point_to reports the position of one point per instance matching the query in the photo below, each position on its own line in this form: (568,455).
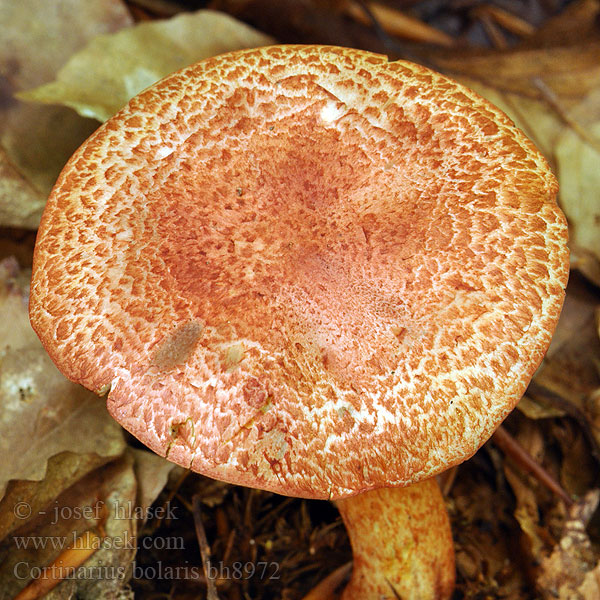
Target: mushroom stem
(402,543)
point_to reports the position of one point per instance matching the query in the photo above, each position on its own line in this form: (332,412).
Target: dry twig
(396,23)
(211,588)
(514,450)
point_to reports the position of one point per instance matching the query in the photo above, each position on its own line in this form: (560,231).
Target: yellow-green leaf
(101,79)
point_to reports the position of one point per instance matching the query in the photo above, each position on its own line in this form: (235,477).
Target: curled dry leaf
(36,141)
(101,79)
(41,413)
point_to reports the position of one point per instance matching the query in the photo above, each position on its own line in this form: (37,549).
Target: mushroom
(312,271)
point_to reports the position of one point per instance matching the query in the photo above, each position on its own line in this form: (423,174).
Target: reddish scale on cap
(304,269)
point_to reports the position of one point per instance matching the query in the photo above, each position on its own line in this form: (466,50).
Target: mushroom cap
(304,269)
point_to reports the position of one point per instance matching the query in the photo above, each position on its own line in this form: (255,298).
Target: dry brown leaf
(578,470)
(101,501)
(590,587)
(571,72)
(35,141)
(152,473)
(17,244)
(571,366)
(116,491)
(15,330)
(21,203)
(534,408)
(576,22)
(571,571)
(24,499)
(483,538)
(564,52)
(578,162)
(41,413)
(527,511)
(101,79)
(570,369)
(578,311)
